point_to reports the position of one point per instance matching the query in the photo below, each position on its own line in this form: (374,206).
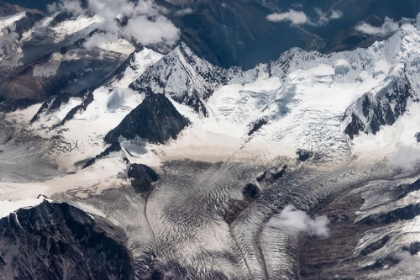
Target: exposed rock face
(400,214)
(251,191)
(115,147)
(142,177)
(271,175)
(383,107)
(257,125)
(304,155)
(58,241)
(155,119)
(82,107)
(59,18)
(52,104)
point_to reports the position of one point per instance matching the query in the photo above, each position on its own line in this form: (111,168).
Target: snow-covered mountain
(189,170)
(185,77)
(340,94)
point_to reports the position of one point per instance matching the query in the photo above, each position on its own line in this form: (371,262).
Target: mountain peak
(184,76)
(155,120)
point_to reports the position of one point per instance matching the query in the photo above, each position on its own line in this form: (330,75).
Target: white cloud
(388,28)
(296,221)
(336,14)
(297,5)
(325,17)
(295,17)
(152,32)
(69,6)
(146,21)
(299,17)
(99,39)
(402,255)
(184,12)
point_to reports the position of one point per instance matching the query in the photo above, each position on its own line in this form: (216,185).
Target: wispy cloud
(98,39)
(184,12)
(388,28)
(146,23)
(336,14)
(296,221)
(325,17)
(300,18)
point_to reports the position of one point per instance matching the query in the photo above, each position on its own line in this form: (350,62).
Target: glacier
(362,178)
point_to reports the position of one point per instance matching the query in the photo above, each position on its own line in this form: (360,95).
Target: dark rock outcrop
(413,248)
(155,119)
(271,175)
(58,241)
(371,111)
(142,177)
(304,155)
(82,107)
(26,23)
(251,191)
(400,214)
(375,246)
(257,125)
(405,189)
(61,17)
(115,147)
(52,104)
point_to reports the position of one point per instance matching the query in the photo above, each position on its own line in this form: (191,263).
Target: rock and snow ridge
(306,100)
(295,103)
(302,101)
(185,77)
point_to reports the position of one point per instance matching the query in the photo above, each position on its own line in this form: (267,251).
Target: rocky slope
(155,120)
(58,241)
